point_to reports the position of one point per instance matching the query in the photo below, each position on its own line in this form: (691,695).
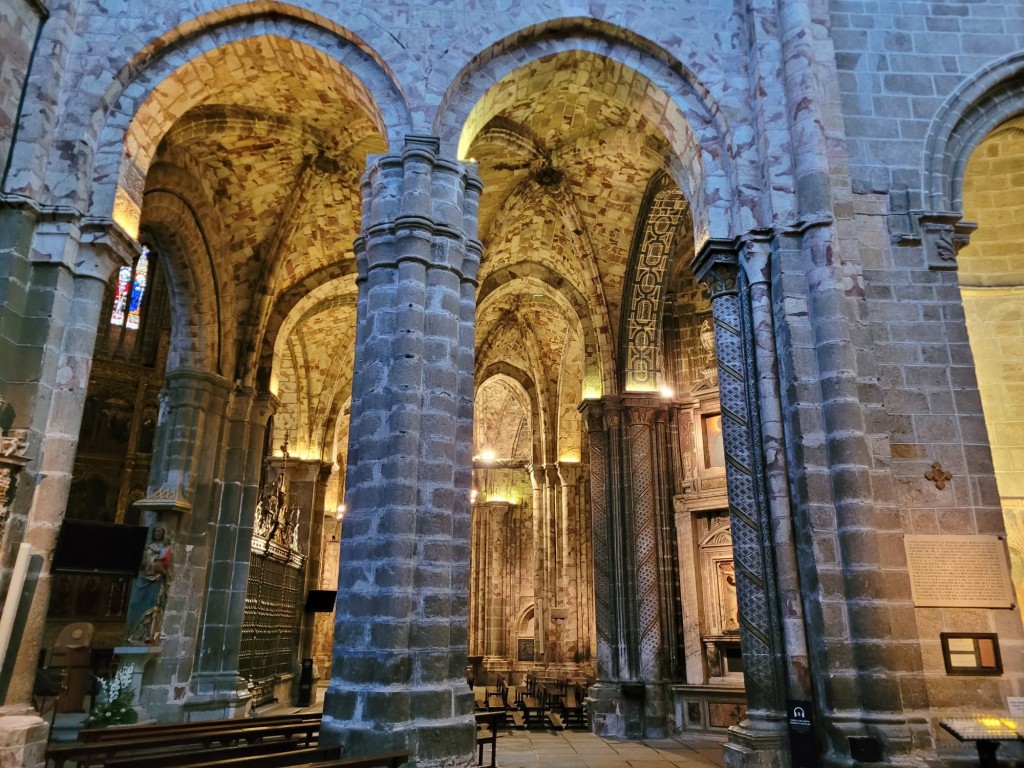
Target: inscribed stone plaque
(959,571)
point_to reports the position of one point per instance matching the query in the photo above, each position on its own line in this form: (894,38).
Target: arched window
(130,300)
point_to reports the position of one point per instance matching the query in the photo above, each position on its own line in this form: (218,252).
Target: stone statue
(149,592)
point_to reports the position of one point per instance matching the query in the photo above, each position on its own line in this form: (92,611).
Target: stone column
(494,544)
(757,267)
(761,739)
(545,560)
(55,269)
(633,618)
(398,675)
(216,690)
(316,474)
(188,456)
(573,598)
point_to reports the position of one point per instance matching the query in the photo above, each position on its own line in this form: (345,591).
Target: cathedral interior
(674,351)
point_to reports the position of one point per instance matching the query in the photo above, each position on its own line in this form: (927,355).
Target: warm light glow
(341,512)
(668,393)
(646,389)
(472,495)
(591,394)
(126,213)
(571,457)
(487,455)
(500,500)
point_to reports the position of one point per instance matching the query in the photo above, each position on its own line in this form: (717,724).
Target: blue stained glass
(138,289)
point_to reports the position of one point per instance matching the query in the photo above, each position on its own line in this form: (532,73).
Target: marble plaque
(959,571)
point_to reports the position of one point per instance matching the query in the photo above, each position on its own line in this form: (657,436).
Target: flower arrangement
(114,703)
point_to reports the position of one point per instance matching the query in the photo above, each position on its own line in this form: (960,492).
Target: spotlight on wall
(488,455)
(340,512)
(668,393)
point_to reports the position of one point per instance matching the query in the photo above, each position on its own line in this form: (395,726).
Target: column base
(871,739)
(750,746)
(22,737)
(629,709)
(217,698)
(366,722)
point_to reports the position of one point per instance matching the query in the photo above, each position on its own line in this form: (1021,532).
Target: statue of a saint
(149,592)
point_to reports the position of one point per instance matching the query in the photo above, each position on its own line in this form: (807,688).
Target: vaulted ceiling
(265,167)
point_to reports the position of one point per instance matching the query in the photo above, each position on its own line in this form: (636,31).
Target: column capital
(756,255)
(717,265)
(104,247)
(419,206)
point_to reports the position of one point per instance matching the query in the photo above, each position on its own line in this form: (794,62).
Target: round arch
(981,103)
(691,122)
(142,99)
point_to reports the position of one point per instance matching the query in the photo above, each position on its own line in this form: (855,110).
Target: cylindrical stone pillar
(635,621)
(398,675)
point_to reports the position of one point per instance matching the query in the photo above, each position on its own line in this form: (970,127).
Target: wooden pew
(165,729)
(487,733)
(262,749)
(87,754)
(294,757)
(573,708)
(383,760)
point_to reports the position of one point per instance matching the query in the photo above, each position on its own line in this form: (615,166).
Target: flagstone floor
(579,749)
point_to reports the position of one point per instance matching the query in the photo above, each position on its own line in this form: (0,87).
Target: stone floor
(579,749)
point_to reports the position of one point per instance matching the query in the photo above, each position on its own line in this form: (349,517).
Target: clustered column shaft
(398,677)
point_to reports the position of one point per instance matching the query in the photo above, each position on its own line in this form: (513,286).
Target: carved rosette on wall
(13,447)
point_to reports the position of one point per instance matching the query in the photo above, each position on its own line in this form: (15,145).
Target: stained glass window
(130,300)
(138,289)
(124,276)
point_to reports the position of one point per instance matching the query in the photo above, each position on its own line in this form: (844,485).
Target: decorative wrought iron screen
(270,626)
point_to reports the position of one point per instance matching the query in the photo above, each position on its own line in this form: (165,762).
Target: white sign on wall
(959,571)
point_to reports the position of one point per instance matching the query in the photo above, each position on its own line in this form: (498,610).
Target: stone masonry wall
(19,21)
(898,61)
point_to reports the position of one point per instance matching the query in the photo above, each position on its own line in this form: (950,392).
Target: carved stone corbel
(943,235)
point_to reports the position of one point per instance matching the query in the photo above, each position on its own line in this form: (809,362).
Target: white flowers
(115,699)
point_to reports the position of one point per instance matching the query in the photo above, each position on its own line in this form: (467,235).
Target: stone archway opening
(991,275)
(586,235)
(242,167)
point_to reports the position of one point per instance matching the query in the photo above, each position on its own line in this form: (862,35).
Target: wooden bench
(572,707)
(487,724)
(383,760)
(316,757)
(261,750)
(86,754)
(166,729)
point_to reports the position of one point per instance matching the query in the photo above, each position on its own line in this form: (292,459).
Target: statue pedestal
(141,656)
